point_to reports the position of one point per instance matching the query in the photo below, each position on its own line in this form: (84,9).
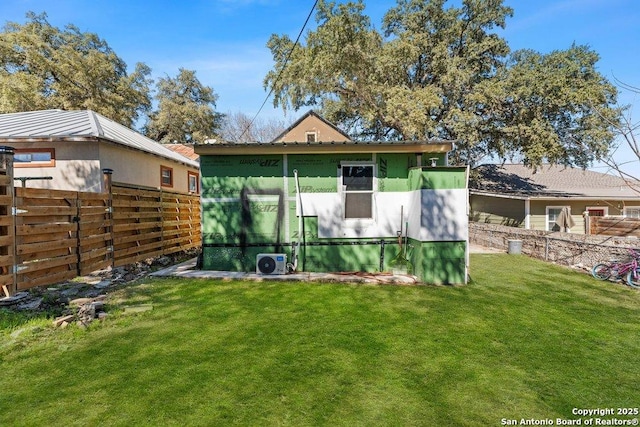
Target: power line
(286,61)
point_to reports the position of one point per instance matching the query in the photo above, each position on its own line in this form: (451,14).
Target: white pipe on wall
(300,219)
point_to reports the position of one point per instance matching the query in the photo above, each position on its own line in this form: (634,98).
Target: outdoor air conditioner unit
(271,264)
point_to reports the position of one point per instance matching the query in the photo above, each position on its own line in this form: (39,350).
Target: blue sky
(224,41)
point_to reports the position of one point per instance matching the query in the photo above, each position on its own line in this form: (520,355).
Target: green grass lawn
(524,339)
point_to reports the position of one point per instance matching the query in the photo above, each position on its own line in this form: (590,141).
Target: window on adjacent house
(193,182)
(553,212)
(357,186)
(35,157)
(632,211)
(597,210)
(166,176)
(311,136)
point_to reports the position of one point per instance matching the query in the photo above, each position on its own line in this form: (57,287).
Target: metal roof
(252,148)
(79,124)
(549,181)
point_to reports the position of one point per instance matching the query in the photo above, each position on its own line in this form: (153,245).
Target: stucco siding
(138,168)
(76,168)
(79,164)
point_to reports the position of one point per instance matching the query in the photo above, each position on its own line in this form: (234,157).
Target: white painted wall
(433,215)
(444,215)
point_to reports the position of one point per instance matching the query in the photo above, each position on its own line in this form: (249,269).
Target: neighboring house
(187,151)
(515,195)
(335,201)
(68,150)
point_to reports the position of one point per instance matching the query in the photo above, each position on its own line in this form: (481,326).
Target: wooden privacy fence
(49,236)
(614,226)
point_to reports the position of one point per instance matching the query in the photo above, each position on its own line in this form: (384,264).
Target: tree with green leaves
(186,111)
(442,72)
(44,67)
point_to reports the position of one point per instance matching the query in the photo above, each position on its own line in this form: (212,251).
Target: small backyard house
(314,200)
(67,150)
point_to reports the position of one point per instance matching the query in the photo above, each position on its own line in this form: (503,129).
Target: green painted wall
(318,174)
(437,178)
(249,208)
(392,171)
(439,262)
(230,176)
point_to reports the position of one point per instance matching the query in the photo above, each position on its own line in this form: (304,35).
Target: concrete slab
(478,249)
(188,270)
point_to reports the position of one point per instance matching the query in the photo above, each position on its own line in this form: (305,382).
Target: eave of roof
(553,196)
(230,148)
(549,182)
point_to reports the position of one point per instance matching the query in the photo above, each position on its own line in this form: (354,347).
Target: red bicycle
(616,270)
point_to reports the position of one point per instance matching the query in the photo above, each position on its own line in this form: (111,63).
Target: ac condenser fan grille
(267,265)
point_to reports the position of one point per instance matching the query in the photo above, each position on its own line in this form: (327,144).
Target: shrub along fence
(49,236)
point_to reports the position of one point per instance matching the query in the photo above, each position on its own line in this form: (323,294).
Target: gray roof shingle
(550,181)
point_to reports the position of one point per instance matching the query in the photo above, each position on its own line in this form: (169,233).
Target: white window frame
(164,169)
(627,208)
(196,178)
(344,192)
(546,216)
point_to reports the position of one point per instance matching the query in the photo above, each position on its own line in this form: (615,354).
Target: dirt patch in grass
(55,300)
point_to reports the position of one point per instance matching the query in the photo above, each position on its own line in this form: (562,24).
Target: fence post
(546,248)
(587,222)
(78,221)
(162,221)
(107,187)
(9,267)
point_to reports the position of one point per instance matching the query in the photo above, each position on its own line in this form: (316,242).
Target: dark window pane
(357,178)
(357,205)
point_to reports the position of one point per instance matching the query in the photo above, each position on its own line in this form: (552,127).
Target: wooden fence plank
(615,226)
(136,226)
(64,233)
(49,279)
(44,228)
(31,248)
(47,211)
(49,263)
